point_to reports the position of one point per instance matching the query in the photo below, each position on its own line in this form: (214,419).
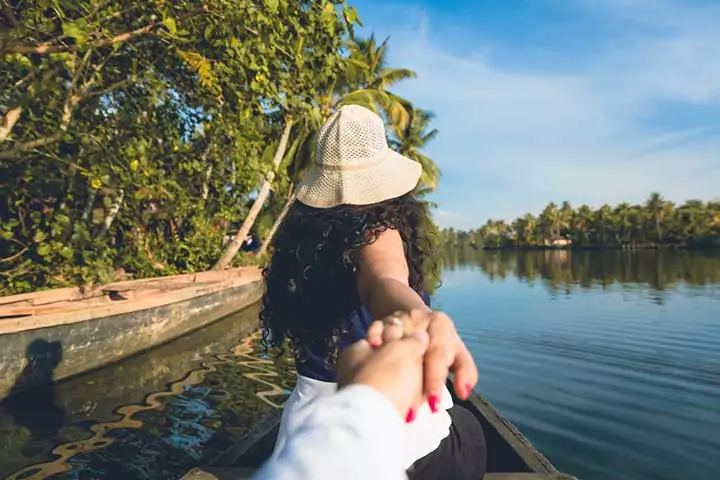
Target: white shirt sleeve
(355,434)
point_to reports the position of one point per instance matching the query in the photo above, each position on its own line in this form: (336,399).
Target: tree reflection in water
(565,270)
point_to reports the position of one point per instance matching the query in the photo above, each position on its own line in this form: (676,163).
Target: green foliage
(133,135)
(657,223)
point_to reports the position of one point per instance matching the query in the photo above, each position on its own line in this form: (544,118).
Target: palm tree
(365,83)
(410,141)
(623,214)
(368,79)
(525,230)
(658,209)
(566,213)
(580,225)
(550,221)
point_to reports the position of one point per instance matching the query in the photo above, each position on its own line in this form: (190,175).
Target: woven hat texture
(353,164)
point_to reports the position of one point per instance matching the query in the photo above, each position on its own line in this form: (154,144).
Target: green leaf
(39,237)
(170,25)
(271,5)
(328,12)
(351,16)
(43,250)
(66,252)
(71,29)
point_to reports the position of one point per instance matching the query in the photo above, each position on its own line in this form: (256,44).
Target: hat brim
(392,176)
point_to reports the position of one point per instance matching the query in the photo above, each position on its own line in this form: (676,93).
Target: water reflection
(615,373)
(562,270)
(153,416)
(31,401)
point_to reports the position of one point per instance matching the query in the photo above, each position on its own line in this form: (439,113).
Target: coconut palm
(410,141)
(365,83)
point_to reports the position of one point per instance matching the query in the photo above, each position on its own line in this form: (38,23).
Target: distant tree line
(654,224)
(149,138)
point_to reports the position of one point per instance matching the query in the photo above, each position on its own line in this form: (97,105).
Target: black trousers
(462,455)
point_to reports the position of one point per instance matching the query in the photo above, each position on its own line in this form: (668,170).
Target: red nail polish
(375,345)
(410,416)
(433,401)
(468,390)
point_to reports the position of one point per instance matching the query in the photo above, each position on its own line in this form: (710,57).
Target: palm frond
(387,77)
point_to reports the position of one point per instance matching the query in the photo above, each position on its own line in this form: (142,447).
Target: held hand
(445,353)
(395,369)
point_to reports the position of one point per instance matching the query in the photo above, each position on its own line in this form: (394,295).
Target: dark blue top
(314,366)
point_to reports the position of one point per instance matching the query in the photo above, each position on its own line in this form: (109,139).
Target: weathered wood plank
(68,344)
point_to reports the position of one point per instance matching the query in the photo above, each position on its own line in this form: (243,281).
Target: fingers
(392,332)
(374,333)
(351,360)
(438,357)
(466,372)
(411,349)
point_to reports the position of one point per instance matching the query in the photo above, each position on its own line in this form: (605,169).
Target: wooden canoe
(511,456)
(55,334)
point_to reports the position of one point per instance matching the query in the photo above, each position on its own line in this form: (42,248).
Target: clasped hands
(408,356)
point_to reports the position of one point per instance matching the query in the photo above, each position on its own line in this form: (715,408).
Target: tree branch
(47,48)
(13,257)
(31,145)
(11,117)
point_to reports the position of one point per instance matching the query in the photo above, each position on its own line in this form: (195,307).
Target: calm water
(608,362)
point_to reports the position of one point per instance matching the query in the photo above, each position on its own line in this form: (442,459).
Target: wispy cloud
(640,115)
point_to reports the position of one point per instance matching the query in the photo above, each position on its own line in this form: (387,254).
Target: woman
(355,248)
(353,434)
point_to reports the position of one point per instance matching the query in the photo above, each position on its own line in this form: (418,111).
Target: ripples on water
(608,362)
(611,378)
(154,416)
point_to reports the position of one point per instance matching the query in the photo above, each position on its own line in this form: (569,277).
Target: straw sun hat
(354,165)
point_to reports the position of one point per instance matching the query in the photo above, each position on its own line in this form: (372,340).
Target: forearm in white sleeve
(353,435)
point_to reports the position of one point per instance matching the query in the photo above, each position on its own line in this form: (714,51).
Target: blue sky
(591,101)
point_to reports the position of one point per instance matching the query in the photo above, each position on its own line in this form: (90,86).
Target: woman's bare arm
(382,278)
(383,285)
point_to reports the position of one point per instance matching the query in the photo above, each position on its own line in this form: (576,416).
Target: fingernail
(410,416)
(433,401)
(375,344)
(468,389)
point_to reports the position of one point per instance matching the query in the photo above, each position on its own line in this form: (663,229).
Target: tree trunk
(112,214)
(92,194)
(278,222)
(234,245)
(205,191)
(206,183)
(11,117)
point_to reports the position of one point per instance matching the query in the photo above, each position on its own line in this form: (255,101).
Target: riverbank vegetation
(656,223)
(137,137)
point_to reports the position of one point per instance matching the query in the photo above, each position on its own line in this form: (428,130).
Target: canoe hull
(510,455)
(67,346)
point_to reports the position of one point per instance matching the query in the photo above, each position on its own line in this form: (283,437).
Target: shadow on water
(155,415)
(31,402)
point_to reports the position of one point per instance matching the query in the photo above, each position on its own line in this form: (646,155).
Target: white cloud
(590,134)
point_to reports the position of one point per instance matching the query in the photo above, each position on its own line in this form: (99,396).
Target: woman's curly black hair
(310,288)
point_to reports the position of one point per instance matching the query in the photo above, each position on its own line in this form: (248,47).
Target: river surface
(608,362)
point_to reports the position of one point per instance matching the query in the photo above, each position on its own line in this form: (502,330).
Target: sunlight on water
(608,362)
(153,416)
